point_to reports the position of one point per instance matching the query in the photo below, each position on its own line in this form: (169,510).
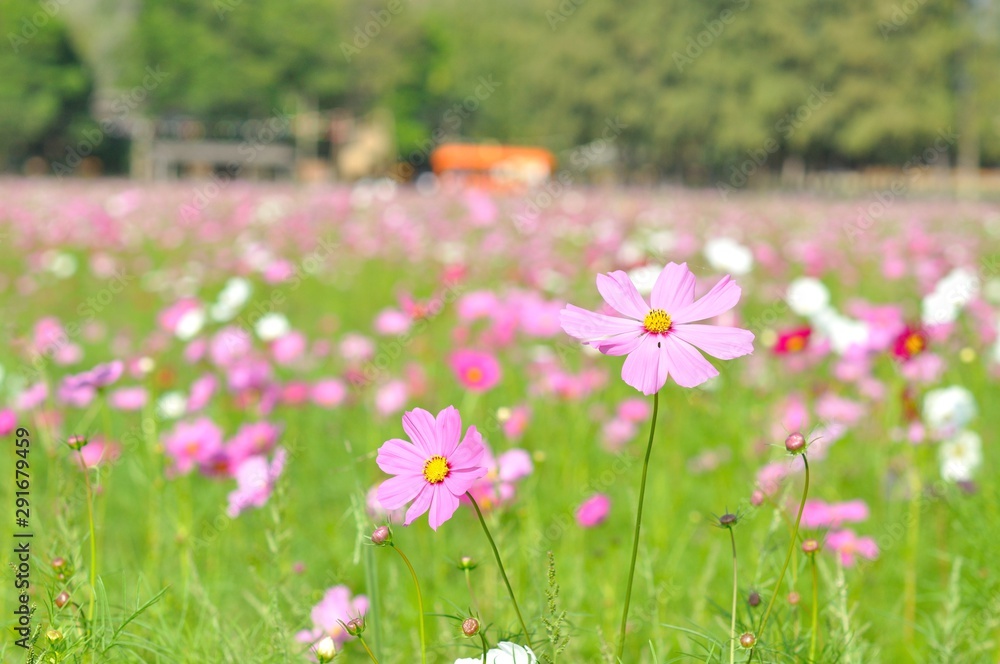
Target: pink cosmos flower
(128,398)
(847,545)
(8,421)
(514,426)
(378,512)
(818,514)
(476,371)
(593,511)
(498,486)
(392,321)
(328,393)
(96,452)
(32,397)
(435,469)
(252,439)
(288,348)
(634,410)
(201,392)
(660,338)
(193,443)
(255,480)
(616,432)
(335,610)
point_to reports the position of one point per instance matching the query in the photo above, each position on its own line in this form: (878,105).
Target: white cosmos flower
(272,326)
(190,324)
(807,296)
(728,255)
(171,405)
(950,295)
(960,456)
(235,293)
(948,409)
(504,653)
(841,331)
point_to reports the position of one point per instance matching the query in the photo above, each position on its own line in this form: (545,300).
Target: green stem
(420,604)
(367,649)
(485,646)
(472,594)
(638,523)
(732,622)
(912,544)
(503,572)
(788,557)
(93,537)
(815,609)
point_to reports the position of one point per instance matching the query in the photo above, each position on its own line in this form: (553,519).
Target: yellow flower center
(436,469)
(914,344)
(795,344)
(474,374)
(657,321)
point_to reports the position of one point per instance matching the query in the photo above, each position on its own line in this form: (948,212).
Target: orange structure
(493,166)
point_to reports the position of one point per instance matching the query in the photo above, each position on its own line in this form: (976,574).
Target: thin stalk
(788,557)
(732,622)
(367,649)
(815,609)
(93,537)
(912,544)
(472,594)
(503,572)
(638,523)
(485,646)
(420,605)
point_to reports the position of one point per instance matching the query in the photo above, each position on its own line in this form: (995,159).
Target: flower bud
(748,640)
(470,627)
(794,598)
(325,650)
(795,443)
(754,599)
(62,599)
(76,442)
(466,564)
(355,626)
(810,546)
(727,520)
(757,498)
(53,635)
(382,536)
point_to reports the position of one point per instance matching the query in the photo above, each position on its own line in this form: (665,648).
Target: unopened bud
(355,626)
(76,442)
(466,563)
(748,640)
(382,536)
(326,650)
(810,546)
(757,498)
(754,599)
(794,598)
(795,443)
(470,627)
(62,599)
(727,520)
(53,635)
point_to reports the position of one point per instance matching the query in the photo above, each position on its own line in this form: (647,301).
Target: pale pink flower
(392,321)
(192,443)
(847,546)
(517,422)
(336,609)
(391,397)
(476,371)
(8,421)
(128,398)
(593,511)
(97,452)
(255,480)
(634,410)
(328,393)
(661,338)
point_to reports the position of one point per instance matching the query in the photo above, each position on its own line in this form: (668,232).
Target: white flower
(235,293)
(948,409)
(272,326)
(190,324)
(842,332)
(61,264)
(953,292)
(644,277)
(171,405)
(326,649)
(728,255)
(960,456)
(807,296)
(504,653)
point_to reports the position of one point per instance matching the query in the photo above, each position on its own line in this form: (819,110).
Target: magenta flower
(476,371)
(193,443)
(432,471)
(128,398)
(97,452)
(335,610)
(255,480)
(593,511)
(848,545)
(8,421)
(818,514)
(660,338)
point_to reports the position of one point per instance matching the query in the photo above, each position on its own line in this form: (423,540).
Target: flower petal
(645,368)
(448,428)
(398,457)
(419,425)
(588,325)
(469,453)
(687,365)
(620,345)
(420,505)
(443,506)
(397,491)
(724,343)
(674,288)
(723,297)
(619,291)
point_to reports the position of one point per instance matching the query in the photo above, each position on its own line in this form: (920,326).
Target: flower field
(254,415)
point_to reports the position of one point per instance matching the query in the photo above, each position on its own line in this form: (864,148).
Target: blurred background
(719,93)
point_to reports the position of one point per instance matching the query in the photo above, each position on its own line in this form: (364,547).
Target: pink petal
(587,325)
(460,480)
(397,457)
(724,343)
(397,491)
(687,365)
(469,453)
(448,428)
(419,425)
(621,345)
(420,505)
(721,298)
(645,368)
(443,505)
(619,291)
(867,547)
(674,288)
